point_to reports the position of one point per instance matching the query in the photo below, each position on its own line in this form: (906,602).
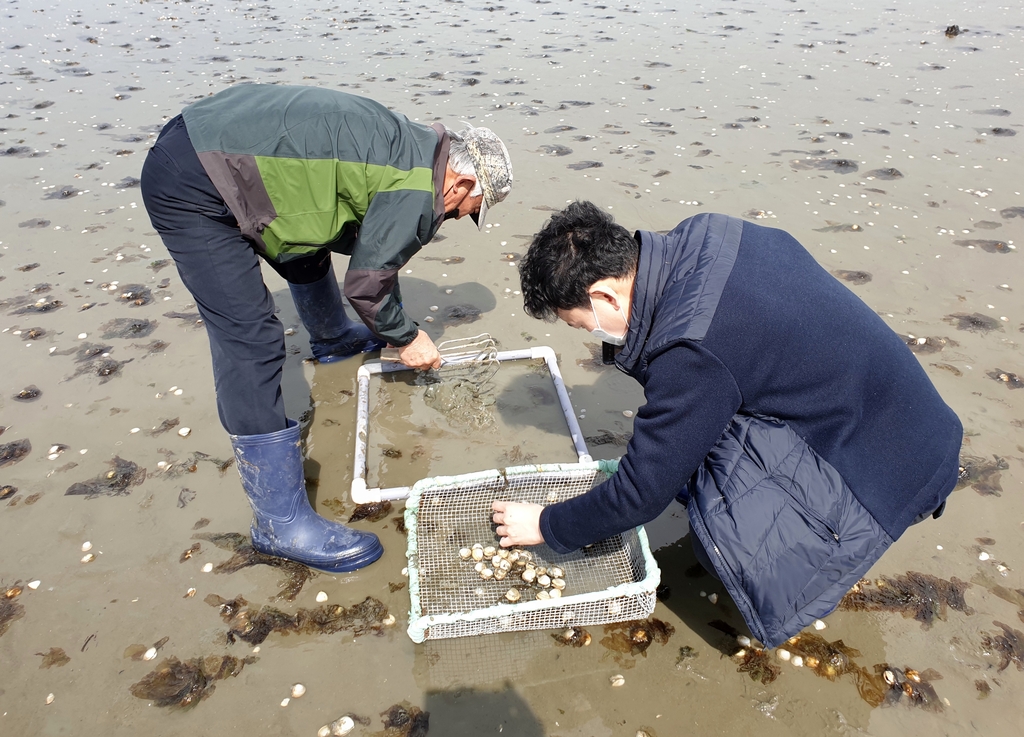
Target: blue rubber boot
(284,524)
(333,335)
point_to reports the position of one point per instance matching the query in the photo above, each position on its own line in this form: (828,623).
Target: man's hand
(421,353)
(518,524)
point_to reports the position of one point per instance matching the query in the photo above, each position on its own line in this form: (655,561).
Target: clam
(298,690)
(558,583)
(543,595)
(479,566)
(496,560)
(340,727)
(504,565)
(499,574)
(486,574)
(465,553)
(556,572)
(544,580)
(529,575)
(513,595)
(797,661)
(617,681)
(490,551)
(554,593)
(503,553)
(477,553)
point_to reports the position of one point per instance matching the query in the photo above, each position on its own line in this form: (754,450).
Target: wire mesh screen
(610,581)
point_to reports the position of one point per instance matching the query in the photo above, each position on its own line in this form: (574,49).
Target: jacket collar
(653,266)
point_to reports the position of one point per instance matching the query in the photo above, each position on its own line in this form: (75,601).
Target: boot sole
(346,565)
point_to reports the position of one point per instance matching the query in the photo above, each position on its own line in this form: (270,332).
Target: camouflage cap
(493,168)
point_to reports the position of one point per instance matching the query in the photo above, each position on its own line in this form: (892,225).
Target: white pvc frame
(362,494)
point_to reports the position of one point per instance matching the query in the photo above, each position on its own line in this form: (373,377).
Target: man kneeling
(798,429)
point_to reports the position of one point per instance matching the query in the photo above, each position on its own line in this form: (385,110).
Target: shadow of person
(470,712)
(696,597)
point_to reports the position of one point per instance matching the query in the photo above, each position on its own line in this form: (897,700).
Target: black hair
(578,246)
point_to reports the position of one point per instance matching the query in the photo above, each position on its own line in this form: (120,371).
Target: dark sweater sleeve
(691,397)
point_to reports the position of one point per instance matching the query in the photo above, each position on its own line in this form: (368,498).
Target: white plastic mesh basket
(610,581)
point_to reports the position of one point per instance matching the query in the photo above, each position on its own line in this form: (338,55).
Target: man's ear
(466,182)
(602,290)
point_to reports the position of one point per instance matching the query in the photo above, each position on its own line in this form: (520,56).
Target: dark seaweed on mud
(852,277)
(1008,644)
(634,637)
(975,322)
(914,595)
(55,656)
(295,574)
(405,720)
(839,166)
(254,627)
(372,512)
(10,608)
(989,246)
(104,368)
(11,453)
(126,327)
(981,474)
(1010,379)
(184,684)
(122,477)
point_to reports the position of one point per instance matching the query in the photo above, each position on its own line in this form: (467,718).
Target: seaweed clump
(10,610)
(11,453)
(54,657)
(827,659)
(917,595)
(184,684)
(127,327)
(757,663)
(982,475)
(254,627)
(372,512)
(245,555)
(1009,644)
(910,684)
(404,720)
(118,481)
(635,637)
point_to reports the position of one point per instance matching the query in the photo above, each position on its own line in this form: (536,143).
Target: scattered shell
(190,593)
(324,731)
(49,698)
(783,654)
(34,584)
(617,680)
(389,620)
(207,568)
(321,597)
(185,431)
(149,654)
(983,555)
(340,727)
(86,546)
(88,558)
(513,595)
(797,661)
(465,553)
(285,701)
(819,625)
(713,598)
(742,640)
(298,690)
(627,413)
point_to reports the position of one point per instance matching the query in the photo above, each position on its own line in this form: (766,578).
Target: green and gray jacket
(304,168)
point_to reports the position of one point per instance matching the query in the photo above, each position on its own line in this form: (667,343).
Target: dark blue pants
(221,269)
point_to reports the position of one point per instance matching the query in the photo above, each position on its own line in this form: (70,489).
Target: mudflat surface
(889,149)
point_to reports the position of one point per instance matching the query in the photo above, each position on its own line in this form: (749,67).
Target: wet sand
(886,146)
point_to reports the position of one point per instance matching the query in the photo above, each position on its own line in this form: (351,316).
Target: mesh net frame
(611,581)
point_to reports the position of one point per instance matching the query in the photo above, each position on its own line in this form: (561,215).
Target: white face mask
(598,332)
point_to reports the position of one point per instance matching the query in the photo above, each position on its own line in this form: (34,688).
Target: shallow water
(878,141)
